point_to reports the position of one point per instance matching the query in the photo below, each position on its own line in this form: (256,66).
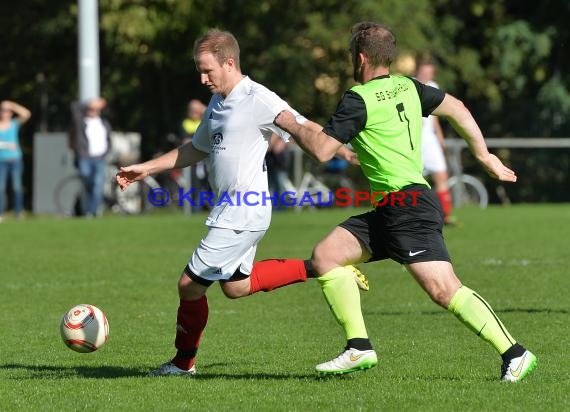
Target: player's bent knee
(233,291)
(325,259)
(183,283)
(190,289)
(441,296)
(319,261)
(322,258)
(232,294)
(439,299)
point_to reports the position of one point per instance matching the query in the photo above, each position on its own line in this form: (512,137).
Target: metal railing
(454,148)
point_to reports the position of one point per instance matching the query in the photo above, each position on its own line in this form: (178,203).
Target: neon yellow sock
(343,297)
(477,315)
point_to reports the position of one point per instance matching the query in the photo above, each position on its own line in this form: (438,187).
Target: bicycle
(317,191)
(466,190)
(70,190)
(174,182)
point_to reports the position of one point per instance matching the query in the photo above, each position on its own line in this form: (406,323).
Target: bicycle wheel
(468,191)
(172,188)
(132,201)
(68,194)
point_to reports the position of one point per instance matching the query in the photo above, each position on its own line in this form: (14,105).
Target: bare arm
(309,136)
(345,153)
(22,113)
(466,126)
(178,158)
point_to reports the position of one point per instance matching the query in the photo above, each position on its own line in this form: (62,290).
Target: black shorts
(407,228)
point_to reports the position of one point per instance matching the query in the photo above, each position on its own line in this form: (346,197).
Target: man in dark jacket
(90,139)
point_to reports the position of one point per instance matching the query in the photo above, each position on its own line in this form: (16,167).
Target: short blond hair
(222,44)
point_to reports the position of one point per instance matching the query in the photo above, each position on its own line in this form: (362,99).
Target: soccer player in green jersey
(382,118)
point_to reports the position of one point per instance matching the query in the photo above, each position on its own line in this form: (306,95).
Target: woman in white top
(433,145)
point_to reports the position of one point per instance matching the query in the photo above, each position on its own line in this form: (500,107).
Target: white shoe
(359,277)
(351,360)
(170,369)
(518,368)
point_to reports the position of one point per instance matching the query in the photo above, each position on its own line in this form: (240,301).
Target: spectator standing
(11,163)
(433,145)
(194,112)
(278,159)
(199,171)
(90,139)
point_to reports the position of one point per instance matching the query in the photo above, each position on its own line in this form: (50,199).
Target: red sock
(190,324)
(444,197)
(274,273)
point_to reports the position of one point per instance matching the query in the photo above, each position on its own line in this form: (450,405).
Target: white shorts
(432,153)
(222,252)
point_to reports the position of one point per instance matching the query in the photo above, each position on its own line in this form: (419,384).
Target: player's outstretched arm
(131,174)
(465,125)
(343,152)
(309,136)
(178,158)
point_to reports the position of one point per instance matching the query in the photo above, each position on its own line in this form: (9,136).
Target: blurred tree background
(506,59)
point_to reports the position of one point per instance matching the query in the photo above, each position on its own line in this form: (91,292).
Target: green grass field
(258,353)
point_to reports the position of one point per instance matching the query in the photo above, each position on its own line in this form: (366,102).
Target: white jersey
(235,132)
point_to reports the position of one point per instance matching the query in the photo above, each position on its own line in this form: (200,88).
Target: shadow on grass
(443,312)
(536,310)
(23,371)
(261,376)
(205,373)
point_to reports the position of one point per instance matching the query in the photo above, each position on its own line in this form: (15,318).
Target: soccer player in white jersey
(433,145)
(234,132)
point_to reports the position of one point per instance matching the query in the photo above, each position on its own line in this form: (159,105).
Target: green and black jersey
(382,120)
